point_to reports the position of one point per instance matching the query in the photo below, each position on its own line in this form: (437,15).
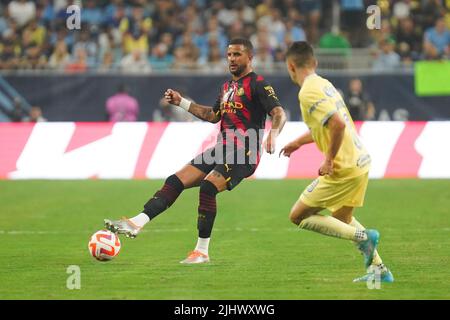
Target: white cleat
(123,226)
(195,257)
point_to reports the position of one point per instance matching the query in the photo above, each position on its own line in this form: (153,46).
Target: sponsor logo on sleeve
(270,92)
(329,91)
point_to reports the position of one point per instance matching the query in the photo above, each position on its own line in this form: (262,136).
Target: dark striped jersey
(243,106)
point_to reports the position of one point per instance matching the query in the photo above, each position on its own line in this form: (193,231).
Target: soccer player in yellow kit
(343,175)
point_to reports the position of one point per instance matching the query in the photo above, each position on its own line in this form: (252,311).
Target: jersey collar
(242,77)
(310,76)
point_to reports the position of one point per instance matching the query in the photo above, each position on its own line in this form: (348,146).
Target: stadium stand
(157,36)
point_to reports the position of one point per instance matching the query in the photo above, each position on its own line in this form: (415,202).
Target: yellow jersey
(319,100)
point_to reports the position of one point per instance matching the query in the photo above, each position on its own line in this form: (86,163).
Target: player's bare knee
(183,178)
(295,220)
(208,187)
(295,217)
(217,180)
(190,176)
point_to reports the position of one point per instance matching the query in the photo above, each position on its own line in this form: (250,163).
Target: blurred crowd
(145,35)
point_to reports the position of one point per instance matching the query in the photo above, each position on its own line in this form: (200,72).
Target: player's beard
(238,71)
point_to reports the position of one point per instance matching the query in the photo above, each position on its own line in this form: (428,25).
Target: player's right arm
(202,112)
(294,145)
(337,130)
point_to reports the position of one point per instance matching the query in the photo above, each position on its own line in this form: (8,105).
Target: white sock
(202,245)
(140,220)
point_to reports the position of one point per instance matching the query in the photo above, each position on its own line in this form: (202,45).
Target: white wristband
(185,104)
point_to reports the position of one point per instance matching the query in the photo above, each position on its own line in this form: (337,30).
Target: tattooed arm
(278,120)
(204,112)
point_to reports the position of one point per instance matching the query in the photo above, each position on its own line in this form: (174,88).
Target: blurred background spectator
(160,58)
(35,115)
(121,106)
(387,59)
(437,41)
(358,102)
(79,62)
(135,62)
(409,41)
(60,56)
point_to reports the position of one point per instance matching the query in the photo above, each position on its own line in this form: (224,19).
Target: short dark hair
(245,42)
(301,52)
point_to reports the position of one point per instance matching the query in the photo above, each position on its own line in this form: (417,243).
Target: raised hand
(172,97)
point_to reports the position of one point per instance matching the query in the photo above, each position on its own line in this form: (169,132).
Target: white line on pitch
(50,232)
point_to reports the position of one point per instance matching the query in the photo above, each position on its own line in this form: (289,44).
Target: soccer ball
(104,245)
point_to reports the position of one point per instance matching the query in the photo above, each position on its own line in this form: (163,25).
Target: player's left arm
(269,101)
(337,129)
(278,120)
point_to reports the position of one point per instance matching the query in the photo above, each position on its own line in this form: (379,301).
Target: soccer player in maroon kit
(242,107)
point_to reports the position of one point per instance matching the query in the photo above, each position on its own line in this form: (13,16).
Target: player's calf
(164,198)
(207,210)
(344,214)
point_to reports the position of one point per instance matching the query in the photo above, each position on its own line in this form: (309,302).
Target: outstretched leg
(189,176)
(308,218)
(186,178)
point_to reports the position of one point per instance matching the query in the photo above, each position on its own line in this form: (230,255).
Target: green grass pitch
(256,252)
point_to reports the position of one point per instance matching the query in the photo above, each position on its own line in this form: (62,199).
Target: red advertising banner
(68,150)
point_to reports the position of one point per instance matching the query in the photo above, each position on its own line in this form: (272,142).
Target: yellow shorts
(334,194)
